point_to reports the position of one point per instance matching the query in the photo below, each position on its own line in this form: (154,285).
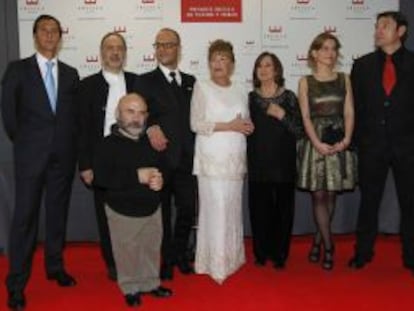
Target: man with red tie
(383,86)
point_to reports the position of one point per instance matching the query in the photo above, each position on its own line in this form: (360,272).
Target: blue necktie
(50,85)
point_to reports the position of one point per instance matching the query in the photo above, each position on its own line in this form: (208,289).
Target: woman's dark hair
(277,66)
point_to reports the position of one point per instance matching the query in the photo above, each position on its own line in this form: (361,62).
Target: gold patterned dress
(315,171)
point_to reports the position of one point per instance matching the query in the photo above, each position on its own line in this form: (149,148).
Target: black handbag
(331,135)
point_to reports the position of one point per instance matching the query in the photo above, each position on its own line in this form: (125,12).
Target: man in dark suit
(98,97)
(40,115)
(168,94)
(383,84)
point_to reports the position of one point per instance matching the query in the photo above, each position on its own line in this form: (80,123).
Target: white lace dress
(220,166)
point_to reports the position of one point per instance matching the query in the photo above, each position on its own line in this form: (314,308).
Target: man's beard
(133,129)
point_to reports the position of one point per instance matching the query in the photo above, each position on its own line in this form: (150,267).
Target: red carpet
(382,285)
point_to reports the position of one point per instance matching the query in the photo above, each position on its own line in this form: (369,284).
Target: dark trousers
(373,171)
(271,206)
(179,191)
(56,183)
(103,230)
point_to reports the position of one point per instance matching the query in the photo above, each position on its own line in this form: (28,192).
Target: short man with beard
(127,171)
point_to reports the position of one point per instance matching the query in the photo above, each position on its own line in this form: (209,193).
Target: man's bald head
(131,114)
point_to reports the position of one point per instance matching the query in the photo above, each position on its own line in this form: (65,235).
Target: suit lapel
(60,83)
(377,75)
(129,82)
(165,85)
(102,89)
(406,67)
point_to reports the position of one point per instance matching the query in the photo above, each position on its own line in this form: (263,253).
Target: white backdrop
(285,27)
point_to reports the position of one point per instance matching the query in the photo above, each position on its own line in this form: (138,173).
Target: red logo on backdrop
(212,11)
(147,1)
(120,29)
(89,1)
(302,1)
(275,29)
(32,2)
(357,2)
(330,29)
(301,57)
(92,59)
(148,58)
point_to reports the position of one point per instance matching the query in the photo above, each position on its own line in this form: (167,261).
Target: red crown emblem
(92,59)
(32,2)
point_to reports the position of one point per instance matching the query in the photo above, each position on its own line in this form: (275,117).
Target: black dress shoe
(409,267)
(357,262)
(167,272)
(62,278)
(16,300)
(133,300)
(260,262)
(112,275)
(161,292)
(185,267)
(279,264)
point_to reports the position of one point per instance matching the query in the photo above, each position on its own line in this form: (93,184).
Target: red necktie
(388,77)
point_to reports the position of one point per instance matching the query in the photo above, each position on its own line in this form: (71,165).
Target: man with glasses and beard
(127,171)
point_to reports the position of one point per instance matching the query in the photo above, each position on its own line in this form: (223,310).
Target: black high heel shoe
(327,261)
(314,253)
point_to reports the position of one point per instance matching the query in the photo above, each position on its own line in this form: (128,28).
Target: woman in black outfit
(272,161)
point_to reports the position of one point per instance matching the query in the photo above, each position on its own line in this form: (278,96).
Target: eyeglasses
(165,45)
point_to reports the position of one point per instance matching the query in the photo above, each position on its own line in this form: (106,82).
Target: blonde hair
(317,44)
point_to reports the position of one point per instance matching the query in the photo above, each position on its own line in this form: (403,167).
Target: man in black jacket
(39,115)
(128,172)
(168,92)
(98,96)
(383,84)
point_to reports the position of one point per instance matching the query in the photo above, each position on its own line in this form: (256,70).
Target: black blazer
(36,132)
(383,122)
(92,98)
(171,113)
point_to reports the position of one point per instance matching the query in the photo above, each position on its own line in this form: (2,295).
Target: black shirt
(115,165)
(271,149)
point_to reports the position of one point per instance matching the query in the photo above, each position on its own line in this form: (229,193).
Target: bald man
(127,170)
(168,92)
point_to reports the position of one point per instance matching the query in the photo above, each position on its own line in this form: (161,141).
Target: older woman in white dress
(220,119)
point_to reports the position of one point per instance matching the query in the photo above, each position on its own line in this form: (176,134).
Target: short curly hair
(221,46)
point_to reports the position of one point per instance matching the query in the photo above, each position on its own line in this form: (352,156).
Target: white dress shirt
(166,71)
(117,89)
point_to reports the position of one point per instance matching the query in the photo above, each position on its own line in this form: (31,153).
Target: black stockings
(323,210)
